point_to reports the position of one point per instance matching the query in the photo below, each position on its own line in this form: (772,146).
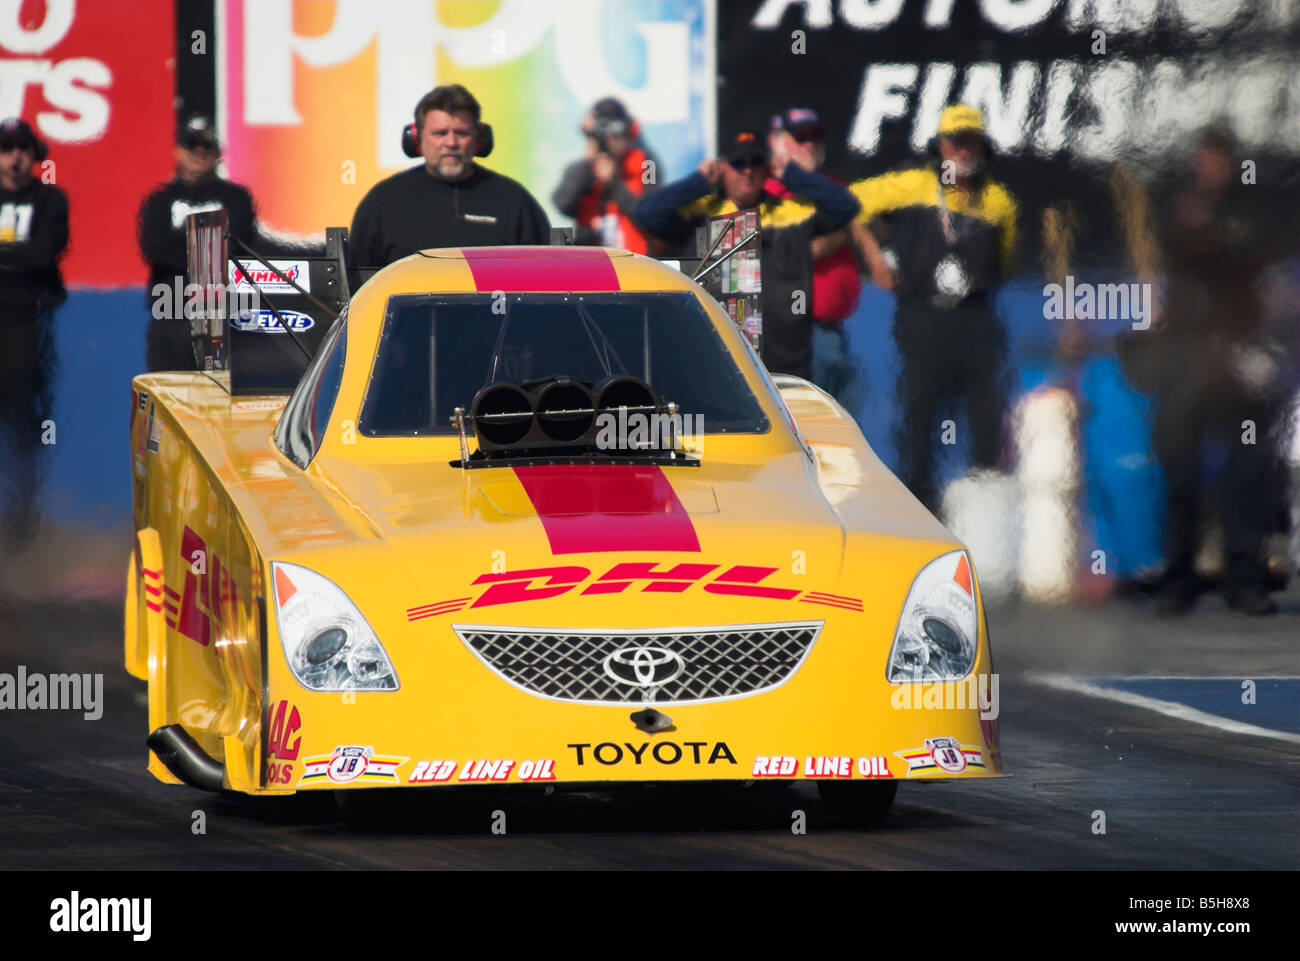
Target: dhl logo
(208,594)
(542,583)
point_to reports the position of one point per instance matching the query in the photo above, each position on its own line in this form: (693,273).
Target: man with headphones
(449,200)
(33,236)
(951,229)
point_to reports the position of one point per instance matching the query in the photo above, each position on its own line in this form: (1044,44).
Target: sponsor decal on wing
(265,321)
(944,755)
(351,764)
(269,280)
(821,766)
(481,771)
(283,739)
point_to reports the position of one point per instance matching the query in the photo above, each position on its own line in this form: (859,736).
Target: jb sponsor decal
(665,753)
(351,764)
(481,771)
(821,766)
(542,583)
(942,755)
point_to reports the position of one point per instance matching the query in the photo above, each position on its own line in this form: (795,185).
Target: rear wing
(256,322)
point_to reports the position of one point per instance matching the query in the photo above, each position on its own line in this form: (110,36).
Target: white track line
(1205,677)
(1171,708)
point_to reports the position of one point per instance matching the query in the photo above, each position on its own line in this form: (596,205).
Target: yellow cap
(960,118)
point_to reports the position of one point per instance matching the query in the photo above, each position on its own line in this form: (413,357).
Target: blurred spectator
(1216,379)
(195,188)
(33,236)
(449,200)
(798,133)
(736,181)
(601,190)
(952,230)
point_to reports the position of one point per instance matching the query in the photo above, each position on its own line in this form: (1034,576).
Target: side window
(327,389)
(307,412)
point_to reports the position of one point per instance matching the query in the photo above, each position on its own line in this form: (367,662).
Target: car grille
(639,667)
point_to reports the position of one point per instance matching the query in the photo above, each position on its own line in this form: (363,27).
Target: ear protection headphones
(411,140)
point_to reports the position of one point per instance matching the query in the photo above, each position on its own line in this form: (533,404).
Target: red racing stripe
(592,508)
(561,269)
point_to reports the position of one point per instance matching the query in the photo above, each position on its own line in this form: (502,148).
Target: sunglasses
(752,162)
(808,136)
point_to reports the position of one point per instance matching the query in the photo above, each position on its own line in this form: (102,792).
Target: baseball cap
(197,131)
(745,143)
(15,132)
(960,118)
(798,121)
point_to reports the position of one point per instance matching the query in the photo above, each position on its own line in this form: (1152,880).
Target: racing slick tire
(857,801)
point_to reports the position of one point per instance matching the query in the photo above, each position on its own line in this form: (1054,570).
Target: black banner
(1070,90)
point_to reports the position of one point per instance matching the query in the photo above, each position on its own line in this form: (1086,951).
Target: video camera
(605,127)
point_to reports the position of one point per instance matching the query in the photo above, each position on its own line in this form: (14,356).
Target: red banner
(95,81)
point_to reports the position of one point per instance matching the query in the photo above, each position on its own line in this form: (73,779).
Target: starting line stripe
(1169,708)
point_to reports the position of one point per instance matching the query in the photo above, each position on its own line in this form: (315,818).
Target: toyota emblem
(644,666)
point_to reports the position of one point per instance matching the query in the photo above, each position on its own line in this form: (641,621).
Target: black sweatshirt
(33,236)
(414,210)
(161,222)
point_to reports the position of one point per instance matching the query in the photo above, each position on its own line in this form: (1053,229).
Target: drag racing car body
(540,515)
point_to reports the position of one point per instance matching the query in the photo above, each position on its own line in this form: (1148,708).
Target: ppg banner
(313,96)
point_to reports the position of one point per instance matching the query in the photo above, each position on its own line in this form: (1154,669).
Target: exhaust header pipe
(182,755)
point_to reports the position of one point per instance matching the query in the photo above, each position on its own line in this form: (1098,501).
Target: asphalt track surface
(74,794)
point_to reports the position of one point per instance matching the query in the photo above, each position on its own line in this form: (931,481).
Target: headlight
(939,630)
(327,643)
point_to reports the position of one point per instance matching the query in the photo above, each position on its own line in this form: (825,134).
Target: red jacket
(600,212)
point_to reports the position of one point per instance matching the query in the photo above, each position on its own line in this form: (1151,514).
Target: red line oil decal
(589,508)
(539,270)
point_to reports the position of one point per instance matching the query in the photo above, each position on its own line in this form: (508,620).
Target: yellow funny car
(531,515)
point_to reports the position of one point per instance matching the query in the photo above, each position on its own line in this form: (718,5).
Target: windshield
(438,350)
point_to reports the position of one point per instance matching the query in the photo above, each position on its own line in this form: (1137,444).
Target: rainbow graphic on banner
(312,96)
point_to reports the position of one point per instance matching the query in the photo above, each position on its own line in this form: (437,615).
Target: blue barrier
(99,337)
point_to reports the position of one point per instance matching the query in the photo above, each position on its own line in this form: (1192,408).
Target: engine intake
(563,417)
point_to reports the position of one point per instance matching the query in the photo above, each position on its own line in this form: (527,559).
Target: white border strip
(1169,708)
